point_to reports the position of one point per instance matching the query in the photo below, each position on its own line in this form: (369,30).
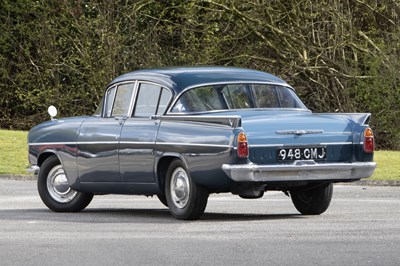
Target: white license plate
(291,154)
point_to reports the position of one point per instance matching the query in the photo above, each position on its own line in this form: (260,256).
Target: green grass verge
(388,165)
(14,157)
(13,152)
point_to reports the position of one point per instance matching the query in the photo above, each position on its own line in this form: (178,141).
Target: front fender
(67,160)
(58,137)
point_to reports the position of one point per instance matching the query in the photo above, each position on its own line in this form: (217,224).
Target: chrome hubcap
(58,187)
(180,188)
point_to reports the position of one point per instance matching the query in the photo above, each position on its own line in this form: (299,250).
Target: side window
(123,100)
(287,98)
(152,99)
(200,100)
(164,100)
(237,96)
(99,109)
(118,100)
(110,94)
(266,96)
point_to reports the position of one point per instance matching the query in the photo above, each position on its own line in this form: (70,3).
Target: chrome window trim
(235,110)
(134,95)
(104,112)
(172,94)
(133,99)
(229,83)
(116,85)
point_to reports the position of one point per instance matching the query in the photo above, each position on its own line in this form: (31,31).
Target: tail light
(369,141)
(242,146)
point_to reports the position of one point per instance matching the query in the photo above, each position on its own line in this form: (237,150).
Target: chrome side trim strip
(195,144)
(298,145)
(186,144)
(265,145)
(51,143)
(337,143)
(137,143)
(133,143)
(96,142)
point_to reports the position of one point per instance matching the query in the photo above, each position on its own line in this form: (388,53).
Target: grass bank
(14,157)
(13,152)
(388,165)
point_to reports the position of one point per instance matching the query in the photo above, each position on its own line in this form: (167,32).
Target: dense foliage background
(341,56)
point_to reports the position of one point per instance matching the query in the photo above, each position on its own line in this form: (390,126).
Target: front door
(98,142)
(98,150)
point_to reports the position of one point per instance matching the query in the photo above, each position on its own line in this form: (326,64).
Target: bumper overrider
(299,171)
(33,169)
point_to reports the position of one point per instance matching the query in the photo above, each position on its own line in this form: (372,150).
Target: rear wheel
(186,200)
(314,200)
(55,191)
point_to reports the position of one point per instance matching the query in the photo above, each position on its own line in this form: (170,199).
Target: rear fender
(162,164)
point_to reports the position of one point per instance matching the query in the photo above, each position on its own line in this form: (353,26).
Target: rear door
(138,136)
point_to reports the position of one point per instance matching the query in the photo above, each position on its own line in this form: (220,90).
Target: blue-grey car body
(127,155)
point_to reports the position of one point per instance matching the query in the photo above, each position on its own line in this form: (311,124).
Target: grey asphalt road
(361,227)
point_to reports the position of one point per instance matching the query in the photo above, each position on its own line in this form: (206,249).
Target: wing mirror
(52,110)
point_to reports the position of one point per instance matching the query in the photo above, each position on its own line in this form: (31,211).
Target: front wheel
(186,200)
(54,189)
(313,201)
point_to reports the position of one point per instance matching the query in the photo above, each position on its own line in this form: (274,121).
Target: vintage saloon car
(183,133)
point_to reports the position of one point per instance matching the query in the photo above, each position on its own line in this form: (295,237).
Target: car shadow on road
(213,217)
(129,215)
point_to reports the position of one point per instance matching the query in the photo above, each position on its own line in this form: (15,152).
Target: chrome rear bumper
(299,171)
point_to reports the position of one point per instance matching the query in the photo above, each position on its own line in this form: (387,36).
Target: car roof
(180,78)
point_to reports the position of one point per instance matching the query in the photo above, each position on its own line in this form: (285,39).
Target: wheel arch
(70,168)
(162,166)
(46,154)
